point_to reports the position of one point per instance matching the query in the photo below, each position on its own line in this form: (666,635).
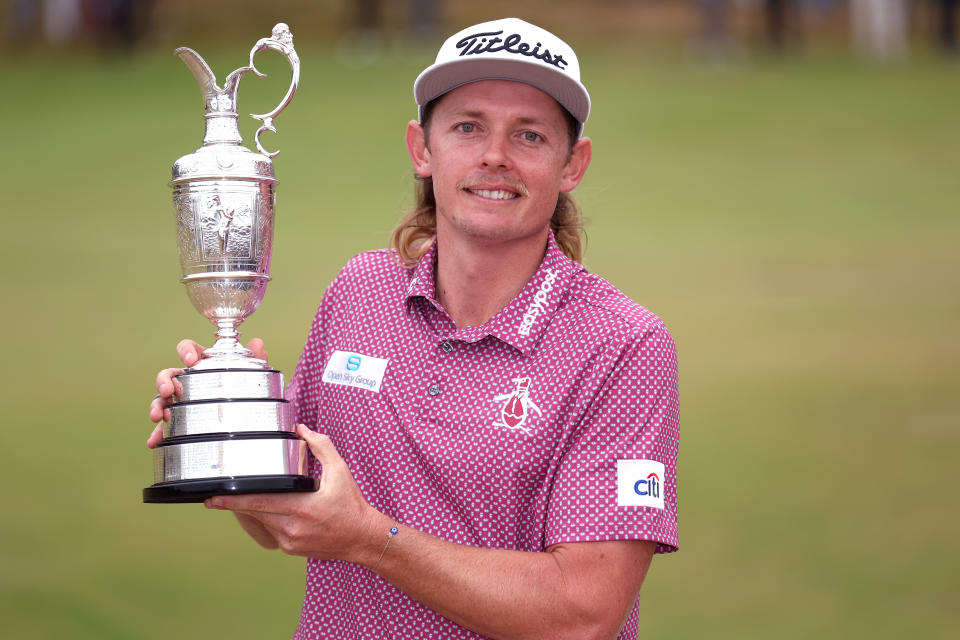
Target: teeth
(494,195)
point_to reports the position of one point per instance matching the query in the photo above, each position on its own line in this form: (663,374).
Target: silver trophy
(230,430)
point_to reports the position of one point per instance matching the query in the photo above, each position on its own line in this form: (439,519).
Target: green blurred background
(792,213)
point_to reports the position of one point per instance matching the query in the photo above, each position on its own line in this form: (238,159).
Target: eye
(466,127)
(531,136)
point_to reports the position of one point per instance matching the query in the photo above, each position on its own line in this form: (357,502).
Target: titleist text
(489,42)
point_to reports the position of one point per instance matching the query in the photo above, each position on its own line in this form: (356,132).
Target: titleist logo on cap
(489,42)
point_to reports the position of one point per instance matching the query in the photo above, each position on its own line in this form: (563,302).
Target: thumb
(320,446)
(189,351)
(256,345)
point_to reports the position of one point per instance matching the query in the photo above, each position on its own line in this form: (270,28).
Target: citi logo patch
(640,483)
(355,370)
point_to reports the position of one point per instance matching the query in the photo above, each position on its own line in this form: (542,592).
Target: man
(502,461)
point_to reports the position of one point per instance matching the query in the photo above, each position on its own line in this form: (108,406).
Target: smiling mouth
(493,194)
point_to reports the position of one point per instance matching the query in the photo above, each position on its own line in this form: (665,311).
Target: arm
(576,590)
(579,590)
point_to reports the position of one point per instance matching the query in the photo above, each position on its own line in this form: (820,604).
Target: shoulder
(372,270)
(374,262)
(611,313)
(371,284)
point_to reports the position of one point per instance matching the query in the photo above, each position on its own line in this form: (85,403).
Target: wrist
(374,533)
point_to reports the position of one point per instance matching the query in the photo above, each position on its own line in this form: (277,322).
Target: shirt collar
(524,319)
(422,282)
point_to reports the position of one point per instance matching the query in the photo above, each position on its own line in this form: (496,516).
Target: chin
(500,233)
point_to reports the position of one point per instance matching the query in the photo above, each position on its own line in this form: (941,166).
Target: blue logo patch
(353,362)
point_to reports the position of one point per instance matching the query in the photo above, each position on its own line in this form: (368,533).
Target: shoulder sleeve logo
(640,483)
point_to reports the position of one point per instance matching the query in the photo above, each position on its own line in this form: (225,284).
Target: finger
(157,410)
(256,345)
(253,526)
(321,446)
(156,437)
(256,505)
(272,522)
(189,351)
(167,384)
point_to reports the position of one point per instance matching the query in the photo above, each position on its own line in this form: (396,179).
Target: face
(499,154)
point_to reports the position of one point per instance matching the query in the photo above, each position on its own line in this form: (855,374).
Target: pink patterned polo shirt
(556,421)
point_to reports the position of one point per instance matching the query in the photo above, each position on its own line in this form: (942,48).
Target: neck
(474,281)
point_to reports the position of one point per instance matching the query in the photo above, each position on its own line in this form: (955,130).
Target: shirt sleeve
(617,479)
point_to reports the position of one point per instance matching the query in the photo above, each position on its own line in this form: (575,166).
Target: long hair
(417,229)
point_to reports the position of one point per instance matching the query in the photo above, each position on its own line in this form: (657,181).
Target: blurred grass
(794,222)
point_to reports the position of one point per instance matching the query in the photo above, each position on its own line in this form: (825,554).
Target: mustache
(507,182)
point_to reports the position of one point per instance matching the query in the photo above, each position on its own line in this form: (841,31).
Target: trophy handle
(280,40)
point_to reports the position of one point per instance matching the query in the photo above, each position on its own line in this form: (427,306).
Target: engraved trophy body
(231,431)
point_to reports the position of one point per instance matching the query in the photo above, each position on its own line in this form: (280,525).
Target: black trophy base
(200,490)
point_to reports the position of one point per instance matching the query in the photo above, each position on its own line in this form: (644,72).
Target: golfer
(495,429)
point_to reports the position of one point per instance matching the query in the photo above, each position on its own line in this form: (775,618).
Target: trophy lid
(223,155)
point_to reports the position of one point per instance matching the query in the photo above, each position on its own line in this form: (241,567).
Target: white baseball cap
(507,49)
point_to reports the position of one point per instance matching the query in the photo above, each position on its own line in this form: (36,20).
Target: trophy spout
(200,69)
(220,104)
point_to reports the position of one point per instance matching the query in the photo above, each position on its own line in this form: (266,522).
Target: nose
(496,153)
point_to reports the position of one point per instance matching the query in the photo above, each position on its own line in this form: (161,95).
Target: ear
(417,148)
(577,164)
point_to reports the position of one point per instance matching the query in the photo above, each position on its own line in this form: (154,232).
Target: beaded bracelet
(393,531)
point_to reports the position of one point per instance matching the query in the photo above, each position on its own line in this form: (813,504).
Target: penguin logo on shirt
(516,407)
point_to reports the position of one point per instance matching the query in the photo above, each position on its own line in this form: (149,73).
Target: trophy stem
(227,330)
(227,350)
(228,341)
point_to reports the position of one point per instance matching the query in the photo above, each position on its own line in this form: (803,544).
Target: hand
(333,522)
(168,386)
